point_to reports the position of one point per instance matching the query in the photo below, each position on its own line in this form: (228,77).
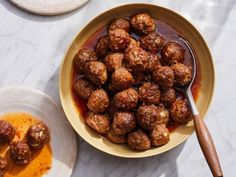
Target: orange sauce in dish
(41,159)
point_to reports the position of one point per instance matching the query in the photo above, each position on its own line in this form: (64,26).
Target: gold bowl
(178,22)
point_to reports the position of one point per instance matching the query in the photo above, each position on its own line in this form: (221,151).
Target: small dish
(49,7)
(42,107)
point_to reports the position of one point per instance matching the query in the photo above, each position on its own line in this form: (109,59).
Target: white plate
(49,7)
(38,104)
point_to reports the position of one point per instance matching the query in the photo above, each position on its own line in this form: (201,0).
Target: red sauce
(170,34)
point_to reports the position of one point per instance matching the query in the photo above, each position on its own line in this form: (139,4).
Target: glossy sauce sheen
(170,34)
(41,159)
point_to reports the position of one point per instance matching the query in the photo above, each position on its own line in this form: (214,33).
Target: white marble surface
(32,48)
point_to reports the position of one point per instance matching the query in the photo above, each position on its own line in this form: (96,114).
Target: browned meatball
(102,47)
(162,115)
(3,164)
(160,135)
(126,99)
(83,88)
(142,23)
(38,135)
(98,101)
(96,72)
(115,138)
(113,61)
(7,132)
(133,43)
(173,52)
(136,59)
(20,152)
(153,62)
(168,96)
(164,76)
(149,93)
(121,79)
(183,74)
(124,122)
(98,122)
(152,42)
(147,116)
(82,57)
(138,140)
(119,40)
(120,23)
(180,111)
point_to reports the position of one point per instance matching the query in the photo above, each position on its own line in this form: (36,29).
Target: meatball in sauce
(7,132)
(38,135)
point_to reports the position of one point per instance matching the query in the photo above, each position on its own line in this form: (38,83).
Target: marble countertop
(32,48)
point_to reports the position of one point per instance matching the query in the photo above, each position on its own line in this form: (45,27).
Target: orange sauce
(41,159)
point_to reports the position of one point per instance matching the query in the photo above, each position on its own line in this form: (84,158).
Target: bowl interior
(202,54)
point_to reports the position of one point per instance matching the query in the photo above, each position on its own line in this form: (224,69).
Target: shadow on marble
(33,17)
(52,87)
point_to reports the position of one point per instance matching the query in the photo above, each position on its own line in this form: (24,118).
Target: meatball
(3,164)
(142,23)
(136,59)
(113,61)
(164,76)
(96,72)
(83,88)
(147,116)
(98,122)
(168,96)
(152,42)
(133,43)
(38,135)
(182,73)
(115,138)
(124,122)
(121,79)
(102,47)
(82,57)
(180,111)
(119,40)
(7,132)
(20,152)
(120,23)
(160,135)
(149,93)
(162,114)
(126,99)
(173,52)
(138,140)
(153,62)
(98,101)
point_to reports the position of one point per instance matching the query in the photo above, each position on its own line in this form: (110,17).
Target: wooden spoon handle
(207,145)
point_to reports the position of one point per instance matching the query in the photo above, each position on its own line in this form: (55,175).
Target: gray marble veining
(32,48)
